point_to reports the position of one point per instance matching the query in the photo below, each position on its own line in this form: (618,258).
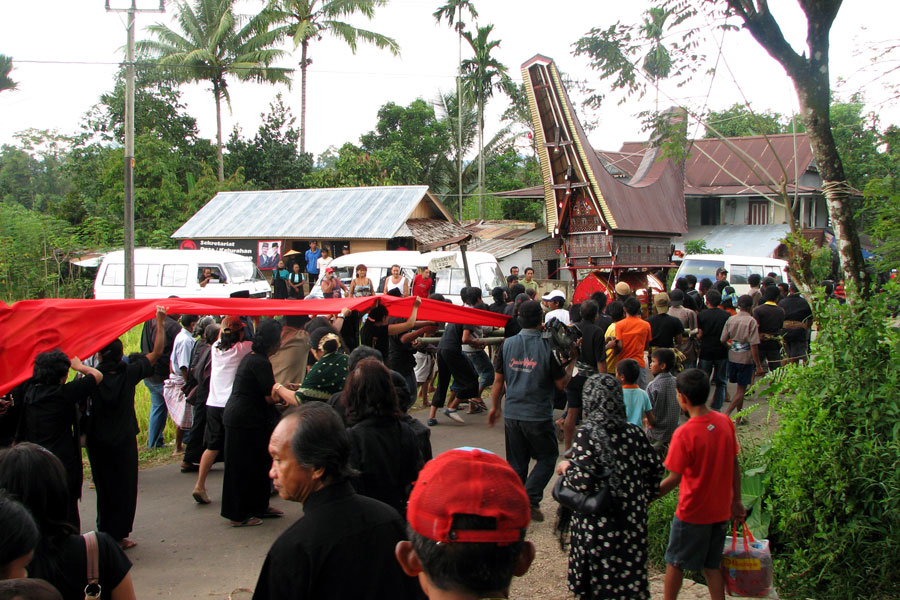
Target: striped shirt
(664,399)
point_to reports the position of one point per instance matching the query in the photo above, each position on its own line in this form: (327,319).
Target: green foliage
(835,460)
(270,160)
(211,44)
(415,134)
(699,247)
(882,205)
(34,250)
(353,166)
(6,83)
(739,120)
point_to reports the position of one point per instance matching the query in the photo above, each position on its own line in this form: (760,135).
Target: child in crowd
(637,402)
(702,458)
(741,333)
(664,398)
(468,514)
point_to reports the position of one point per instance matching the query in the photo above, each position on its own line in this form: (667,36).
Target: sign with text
(242,247)
(445,262)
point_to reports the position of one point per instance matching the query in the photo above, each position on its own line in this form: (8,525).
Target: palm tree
(6,83)
(308,20)
(483,74)
(213,44)
(452,11)
(466,175)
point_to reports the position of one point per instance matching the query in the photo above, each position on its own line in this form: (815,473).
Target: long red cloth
(83,327)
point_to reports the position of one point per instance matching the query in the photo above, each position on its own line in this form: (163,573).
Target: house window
(710,211)
(758,213)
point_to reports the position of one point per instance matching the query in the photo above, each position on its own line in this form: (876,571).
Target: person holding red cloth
(423,283)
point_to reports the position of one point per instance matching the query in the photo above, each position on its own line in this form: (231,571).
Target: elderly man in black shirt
(343,546)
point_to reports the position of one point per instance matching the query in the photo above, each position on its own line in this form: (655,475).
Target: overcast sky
(55,42)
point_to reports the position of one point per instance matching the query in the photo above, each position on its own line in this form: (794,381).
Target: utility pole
(129,141)
(459,100)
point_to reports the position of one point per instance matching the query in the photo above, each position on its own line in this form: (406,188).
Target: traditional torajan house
(267,225)
(604,223)
(729,185)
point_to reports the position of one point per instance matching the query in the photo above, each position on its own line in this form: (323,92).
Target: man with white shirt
(554,301)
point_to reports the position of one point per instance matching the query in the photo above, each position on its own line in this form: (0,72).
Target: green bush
(835,460)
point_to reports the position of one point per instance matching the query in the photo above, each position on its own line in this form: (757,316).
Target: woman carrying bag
(608,548)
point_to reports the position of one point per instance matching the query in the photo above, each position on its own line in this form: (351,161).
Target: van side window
(114,274)
(146,275)
(778,270)
(739,273)
(174,276)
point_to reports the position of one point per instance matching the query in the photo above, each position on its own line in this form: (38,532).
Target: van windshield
(243,271)
(701,269)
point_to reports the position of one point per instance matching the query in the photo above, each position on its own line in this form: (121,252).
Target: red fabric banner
(82,327)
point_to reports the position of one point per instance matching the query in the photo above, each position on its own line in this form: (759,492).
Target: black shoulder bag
(588,503)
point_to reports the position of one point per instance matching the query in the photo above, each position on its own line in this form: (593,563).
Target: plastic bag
(747,565)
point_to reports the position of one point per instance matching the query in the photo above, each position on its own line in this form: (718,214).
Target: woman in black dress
(38,480)
(249,419)
(608,550)
(50,415)
(112,431)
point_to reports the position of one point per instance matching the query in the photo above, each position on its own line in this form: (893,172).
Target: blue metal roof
(358,213)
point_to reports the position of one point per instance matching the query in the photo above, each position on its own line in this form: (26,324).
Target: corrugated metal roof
(747,240)
(502,247)
(337,213)
(431,231)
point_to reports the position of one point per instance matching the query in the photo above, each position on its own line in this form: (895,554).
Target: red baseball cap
(468,481)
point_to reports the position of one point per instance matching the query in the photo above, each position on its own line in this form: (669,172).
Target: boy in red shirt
(703,459)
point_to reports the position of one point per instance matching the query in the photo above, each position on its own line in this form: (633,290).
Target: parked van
(165,273)
(704,266)
(484,270)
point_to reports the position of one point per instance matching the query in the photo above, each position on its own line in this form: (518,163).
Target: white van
(165,273)
(704,266)
(484,270)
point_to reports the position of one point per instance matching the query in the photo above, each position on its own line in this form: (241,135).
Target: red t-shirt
(703,451)
(422,286)
(635,335)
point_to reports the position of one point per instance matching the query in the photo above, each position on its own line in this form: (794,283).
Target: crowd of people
(316,409)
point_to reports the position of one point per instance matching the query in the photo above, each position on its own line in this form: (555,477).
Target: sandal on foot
(271,513)
(125,543)
(251,522)
(200,496)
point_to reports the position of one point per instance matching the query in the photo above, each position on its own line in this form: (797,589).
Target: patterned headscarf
(604,413)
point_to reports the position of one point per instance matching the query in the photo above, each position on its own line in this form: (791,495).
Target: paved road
(186,550)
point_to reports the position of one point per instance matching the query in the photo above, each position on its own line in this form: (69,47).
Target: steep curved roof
(652,202)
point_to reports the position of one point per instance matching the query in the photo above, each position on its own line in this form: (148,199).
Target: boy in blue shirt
(637,402)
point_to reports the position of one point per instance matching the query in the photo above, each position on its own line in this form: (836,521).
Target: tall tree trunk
(810,76)
(304,45)
(217,92)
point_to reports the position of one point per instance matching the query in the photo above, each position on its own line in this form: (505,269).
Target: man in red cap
(468,514)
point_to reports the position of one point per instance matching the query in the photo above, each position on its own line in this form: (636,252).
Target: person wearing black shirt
(713,353)
(665,329)
(111,444)
(342,548)
(797,314)
(49,415)
(770,317)
(158,411)
(38,480)
(591,361)
(377,330)
(249,418)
